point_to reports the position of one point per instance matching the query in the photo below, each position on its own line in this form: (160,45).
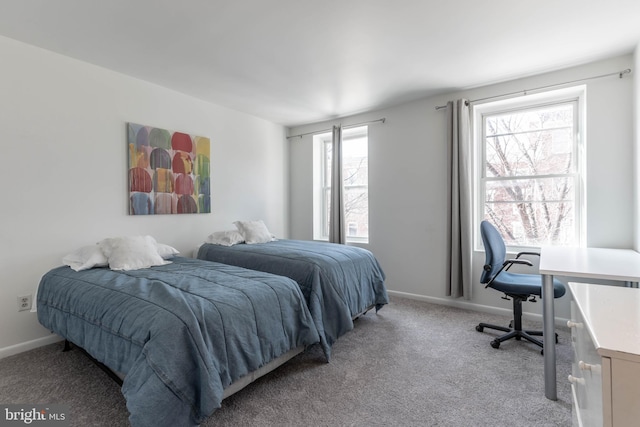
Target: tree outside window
(530,182)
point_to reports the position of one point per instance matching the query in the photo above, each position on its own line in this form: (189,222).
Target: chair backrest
(495,251)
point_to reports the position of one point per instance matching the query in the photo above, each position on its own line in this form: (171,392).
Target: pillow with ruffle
(166,251)
(131,252)
(225,238)
(85,258)
(254,231)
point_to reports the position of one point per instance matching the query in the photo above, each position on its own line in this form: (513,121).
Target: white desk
(605,374)
(588,263)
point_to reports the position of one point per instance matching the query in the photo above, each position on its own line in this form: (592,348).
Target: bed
(184,335)
(339,282)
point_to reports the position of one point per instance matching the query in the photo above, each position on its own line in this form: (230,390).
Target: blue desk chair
(518,287)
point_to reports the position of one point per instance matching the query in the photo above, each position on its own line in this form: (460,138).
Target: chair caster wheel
(556,338)
(495,344)
(542,352)
(518,338)
(479,328)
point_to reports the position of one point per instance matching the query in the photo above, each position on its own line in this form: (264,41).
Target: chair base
(511,333)
(516,331)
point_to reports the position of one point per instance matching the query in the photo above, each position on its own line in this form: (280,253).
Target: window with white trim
(530,168)
(355,172)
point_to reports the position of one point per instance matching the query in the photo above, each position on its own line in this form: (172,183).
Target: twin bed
(187,334)
(338,282)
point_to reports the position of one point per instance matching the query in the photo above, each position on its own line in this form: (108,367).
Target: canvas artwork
(168,172)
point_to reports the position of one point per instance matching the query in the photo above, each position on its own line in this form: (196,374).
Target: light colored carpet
(411,364)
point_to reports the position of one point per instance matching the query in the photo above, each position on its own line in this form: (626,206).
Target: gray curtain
(336,212)
(459,280)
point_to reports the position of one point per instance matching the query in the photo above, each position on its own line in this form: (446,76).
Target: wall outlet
(24,303)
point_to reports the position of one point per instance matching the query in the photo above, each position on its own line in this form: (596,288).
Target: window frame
(322,182)
(575,95)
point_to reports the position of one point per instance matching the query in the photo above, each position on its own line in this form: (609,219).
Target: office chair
(518,287)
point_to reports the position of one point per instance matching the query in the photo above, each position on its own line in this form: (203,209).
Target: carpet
(411,364)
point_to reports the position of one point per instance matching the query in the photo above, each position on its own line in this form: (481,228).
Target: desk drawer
(586,373)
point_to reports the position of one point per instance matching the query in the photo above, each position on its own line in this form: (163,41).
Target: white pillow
(85,258)
(254,231)
(225,238)
(166,251)
(131,253)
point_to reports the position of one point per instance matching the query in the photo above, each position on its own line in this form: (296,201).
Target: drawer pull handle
(589,367)
(572,324)
(576,380)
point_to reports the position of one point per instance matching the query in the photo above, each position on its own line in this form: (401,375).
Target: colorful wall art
(168,172)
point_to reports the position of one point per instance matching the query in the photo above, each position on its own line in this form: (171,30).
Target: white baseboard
(466,305)
(29,345)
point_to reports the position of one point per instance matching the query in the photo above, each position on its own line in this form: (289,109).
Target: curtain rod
(344,127)
(619,74)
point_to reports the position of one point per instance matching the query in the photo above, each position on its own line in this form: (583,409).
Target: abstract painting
(168,171)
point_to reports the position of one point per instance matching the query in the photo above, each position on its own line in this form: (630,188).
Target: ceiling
(302,61)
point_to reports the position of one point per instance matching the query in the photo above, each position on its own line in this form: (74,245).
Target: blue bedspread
(181,332)
(338,281)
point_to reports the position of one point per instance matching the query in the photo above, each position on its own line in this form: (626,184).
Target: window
(355,169)
(530,180)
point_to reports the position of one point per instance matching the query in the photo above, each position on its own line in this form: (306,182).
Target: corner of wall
(636,149)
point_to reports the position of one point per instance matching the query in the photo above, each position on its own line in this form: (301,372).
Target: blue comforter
(338,281)
(181,332)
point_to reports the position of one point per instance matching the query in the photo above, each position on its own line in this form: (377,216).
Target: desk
(605,373)
(588,263)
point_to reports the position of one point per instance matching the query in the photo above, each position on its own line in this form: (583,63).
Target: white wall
(407,187)
(636,148)
(64,169)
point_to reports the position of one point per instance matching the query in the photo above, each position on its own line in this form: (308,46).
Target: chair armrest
(508,263)
(527,253)
(519,261)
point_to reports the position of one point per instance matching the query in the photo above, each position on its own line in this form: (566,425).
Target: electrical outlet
(24,303)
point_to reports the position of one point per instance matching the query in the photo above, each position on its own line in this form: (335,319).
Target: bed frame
(232,388)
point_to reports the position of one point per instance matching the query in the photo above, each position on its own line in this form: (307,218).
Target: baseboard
(466,305)
(29,345)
